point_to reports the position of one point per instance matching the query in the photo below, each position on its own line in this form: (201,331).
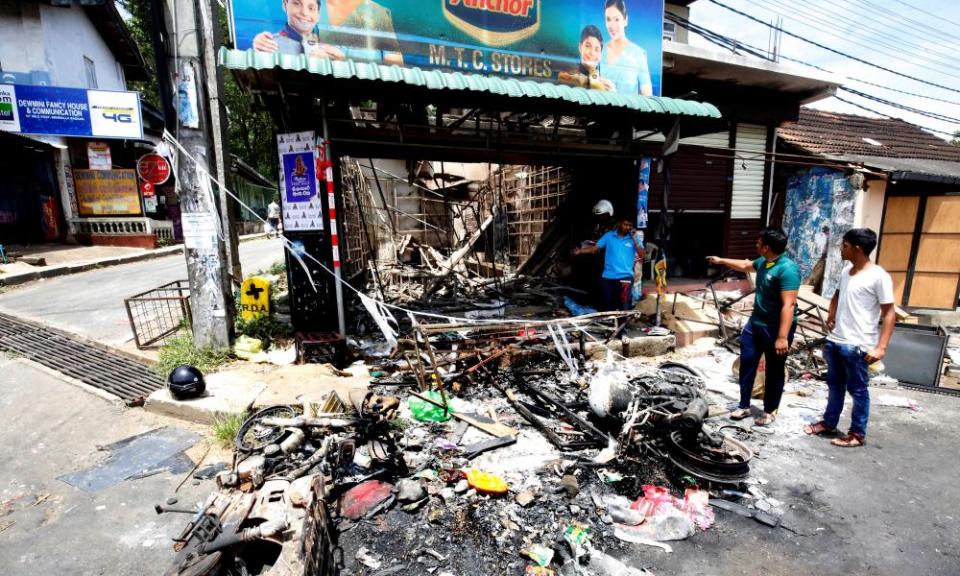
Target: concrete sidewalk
(68,259)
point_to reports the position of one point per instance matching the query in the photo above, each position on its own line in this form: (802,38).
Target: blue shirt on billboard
(630,73)
(619,255)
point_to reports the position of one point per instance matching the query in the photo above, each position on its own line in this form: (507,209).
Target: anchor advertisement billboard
(613,45)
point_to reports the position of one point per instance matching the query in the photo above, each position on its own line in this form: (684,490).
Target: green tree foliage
(956,138)
(139,25)
(250,129)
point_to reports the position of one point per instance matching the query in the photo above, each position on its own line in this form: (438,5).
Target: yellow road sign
(254,298)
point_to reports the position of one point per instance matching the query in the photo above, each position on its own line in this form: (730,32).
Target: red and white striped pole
(326,161)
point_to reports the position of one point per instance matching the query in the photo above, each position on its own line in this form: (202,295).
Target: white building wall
(869,208)
(20,21)
(68,36)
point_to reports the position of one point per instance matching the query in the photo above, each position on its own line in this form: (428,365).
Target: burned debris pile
(468,459)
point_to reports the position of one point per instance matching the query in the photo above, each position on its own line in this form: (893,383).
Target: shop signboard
(153,168)
(107,192)
(57,111)
(614,45)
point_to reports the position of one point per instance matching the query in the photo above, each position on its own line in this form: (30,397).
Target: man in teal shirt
(769,332)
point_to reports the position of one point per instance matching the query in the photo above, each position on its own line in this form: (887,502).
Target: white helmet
(603,207)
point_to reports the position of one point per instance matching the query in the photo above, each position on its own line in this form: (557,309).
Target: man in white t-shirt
(857,338)
(273,218)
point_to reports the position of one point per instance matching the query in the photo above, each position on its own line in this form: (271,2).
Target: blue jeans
(756,341)
(847,372)
(616,294)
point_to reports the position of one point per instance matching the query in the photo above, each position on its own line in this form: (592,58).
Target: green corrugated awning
(442,80)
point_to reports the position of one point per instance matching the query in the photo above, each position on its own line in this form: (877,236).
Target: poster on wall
(98,156)
(643,194)
(613,45)
(107,192)
(301,206)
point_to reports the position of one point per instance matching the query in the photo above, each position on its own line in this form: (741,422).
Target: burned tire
(253,436)
(708,465)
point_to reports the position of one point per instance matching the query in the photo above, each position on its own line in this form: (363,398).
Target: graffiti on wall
(820,208)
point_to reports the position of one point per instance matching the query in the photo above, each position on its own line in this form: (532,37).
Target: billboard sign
(59,111)
(611,45)
(107,192)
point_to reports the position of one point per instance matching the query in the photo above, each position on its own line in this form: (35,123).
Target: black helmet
(186,382)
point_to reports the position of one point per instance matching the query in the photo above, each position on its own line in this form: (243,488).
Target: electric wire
(733,44)
(738,46)
(904,107)
(857,35)
(834,50)
(905,21)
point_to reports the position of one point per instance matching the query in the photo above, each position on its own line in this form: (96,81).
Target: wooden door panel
(899,282)
(901,215)
(939,253)
(934,290)
(895,252)
(942,215)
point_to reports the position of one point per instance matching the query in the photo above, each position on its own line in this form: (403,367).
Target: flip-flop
(851,440)
(764,419)
(819,429)
(740,414)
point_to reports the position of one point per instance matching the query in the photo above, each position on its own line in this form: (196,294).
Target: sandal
(819,429)
(739,413)
(764,419)
(851,440)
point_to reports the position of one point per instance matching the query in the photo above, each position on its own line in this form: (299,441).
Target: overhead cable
(905,21)
(834,50)
(877,112)
(738,46)
(864,36)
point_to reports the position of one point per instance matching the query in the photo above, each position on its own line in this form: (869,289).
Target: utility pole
(188,44)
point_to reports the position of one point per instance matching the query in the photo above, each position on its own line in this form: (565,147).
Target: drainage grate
(128,379)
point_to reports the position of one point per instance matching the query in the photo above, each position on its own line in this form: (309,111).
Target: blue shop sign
(60,111)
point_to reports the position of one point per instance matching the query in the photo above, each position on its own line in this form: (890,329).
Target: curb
(68,269)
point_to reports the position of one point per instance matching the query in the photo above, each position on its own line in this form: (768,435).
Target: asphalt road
(91,303)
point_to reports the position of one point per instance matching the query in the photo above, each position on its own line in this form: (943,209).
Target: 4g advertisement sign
(611,45)
(60,111)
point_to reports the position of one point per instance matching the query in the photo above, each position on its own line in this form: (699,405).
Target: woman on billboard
(624,63)
(587,74)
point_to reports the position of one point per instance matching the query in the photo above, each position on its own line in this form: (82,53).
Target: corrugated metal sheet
(699,181)
(440,80)
(714,140)
(741,238)
(747,199)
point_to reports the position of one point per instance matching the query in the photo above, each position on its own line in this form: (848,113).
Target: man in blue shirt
(621,249)
(769,332)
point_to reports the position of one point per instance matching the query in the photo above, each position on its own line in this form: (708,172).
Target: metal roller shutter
(747,198)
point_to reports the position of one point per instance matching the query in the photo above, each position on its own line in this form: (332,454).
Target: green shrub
(265,328)
(225,428)
(180,349)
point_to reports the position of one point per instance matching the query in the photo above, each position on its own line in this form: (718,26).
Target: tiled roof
(440,80)
(839,135)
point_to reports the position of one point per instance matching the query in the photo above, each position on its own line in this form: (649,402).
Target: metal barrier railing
(158,313)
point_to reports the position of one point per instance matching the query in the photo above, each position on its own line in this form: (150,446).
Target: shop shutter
(714,140)
(747,198)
